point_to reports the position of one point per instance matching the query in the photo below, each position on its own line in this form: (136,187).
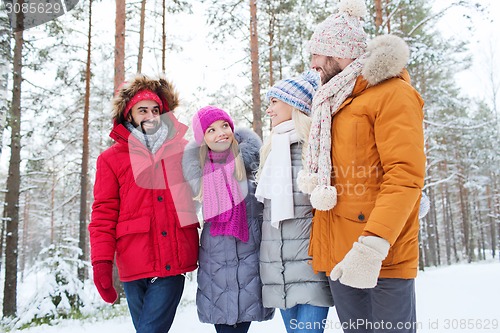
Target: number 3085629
(34,8)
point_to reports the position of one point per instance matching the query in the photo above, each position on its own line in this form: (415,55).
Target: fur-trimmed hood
(388,56)
(161,86)
(249,144)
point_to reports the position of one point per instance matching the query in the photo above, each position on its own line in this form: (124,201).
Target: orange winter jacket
(378,170)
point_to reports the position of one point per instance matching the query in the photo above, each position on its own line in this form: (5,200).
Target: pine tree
(62,294)
(11,212)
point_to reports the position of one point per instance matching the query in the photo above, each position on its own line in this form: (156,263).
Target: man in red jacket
(143,213)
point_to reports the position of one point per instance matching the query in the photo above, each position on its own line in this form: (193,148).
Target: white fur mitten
(360,267)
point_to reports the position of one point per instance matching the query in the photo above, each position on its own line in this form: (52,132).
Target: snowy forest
(57,80)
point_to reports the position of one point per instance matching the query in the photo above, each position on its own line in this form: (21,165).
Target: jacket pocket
(354,211)
(134,226)
(349,222)
(134,247)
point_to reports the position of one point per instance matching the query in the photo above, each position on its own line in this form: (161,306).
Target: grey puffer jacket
(229,285)
(285,269)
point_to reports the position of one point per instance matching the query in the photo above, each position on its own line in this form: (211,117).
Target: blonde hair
(302,124)
(239,165)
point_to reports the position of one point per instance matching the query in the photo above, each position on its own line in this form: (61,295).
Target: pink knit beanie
(205,117)
(341,35)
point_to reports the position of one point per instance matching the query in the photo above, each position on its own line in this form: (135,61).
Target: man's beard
(141,128)
(331,69)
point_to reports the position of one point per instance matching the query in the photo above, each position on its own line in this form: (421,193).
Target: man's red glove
(103,280)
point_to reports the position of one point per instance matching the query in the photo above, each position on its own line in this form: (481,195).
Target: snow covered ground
(458,298)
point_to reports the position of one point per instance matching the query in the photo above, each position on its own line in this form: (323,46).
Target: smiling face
(219,136)
(145,115)
(279,111)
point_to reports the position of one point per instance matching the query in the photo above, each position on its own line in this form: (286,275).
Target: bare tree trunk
(84,179)
(119,78)
(378,13)
(421,254)
(271,45)
(280,59)
(254,57)
(434,220)
(13,181)
(446,223)
(388,19)
(5,58)
(163,37)
(493,236)
(25,234)
(2,238)
(465,220)
(427,245)
(119,43)
(430,220)
(52,207)
(480,225)
(141,37)
(452,225)
(271,33)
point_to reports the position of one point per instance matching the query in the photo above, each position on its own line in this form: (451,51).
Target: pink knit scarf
(223,204)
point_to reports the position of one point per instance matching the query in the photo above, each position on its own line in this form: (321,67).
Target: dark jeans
(153,302)
(238,328)
(389,307)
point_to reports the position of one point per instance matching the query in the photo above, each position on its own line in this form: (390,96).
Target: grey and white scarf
(151,141)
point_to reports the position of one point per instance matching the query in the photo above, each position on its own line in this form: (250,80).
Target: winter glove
(103,280)
(360,267)
(425,204)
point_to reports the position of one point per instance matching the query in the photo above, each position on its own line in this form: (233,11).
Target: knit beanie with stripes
(297,91)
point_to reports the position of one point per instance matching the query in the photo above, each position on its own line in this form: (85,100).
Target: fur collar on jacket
(249,144)
(388,56)
(163,88)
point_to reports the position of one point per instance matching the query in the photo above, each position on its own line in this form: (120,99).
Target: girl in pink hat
(219,165)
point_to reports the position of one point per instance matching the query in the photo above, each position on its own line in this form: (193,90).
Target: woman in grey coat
(290,283)
(219,166)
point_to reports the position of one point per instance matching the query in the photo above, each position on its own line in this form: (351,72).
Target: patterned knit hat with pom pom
(341,35)
(297,91)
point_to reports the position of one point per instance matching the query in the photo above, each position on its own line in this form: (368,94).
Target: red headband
(145,95)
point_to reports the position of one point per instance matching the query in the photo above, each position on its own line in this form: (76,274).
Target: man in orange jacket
(365,170)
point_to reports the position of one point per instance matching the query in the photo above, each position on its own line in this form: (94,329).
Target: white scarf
(315,178)
(276,180)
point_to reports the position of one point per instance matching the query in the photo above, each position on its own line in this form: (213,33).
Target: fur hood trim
(249,144)
(161,86)
(387,57)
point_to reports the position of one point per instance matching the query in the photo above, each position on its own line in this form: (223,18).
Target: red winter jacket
(143,210)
